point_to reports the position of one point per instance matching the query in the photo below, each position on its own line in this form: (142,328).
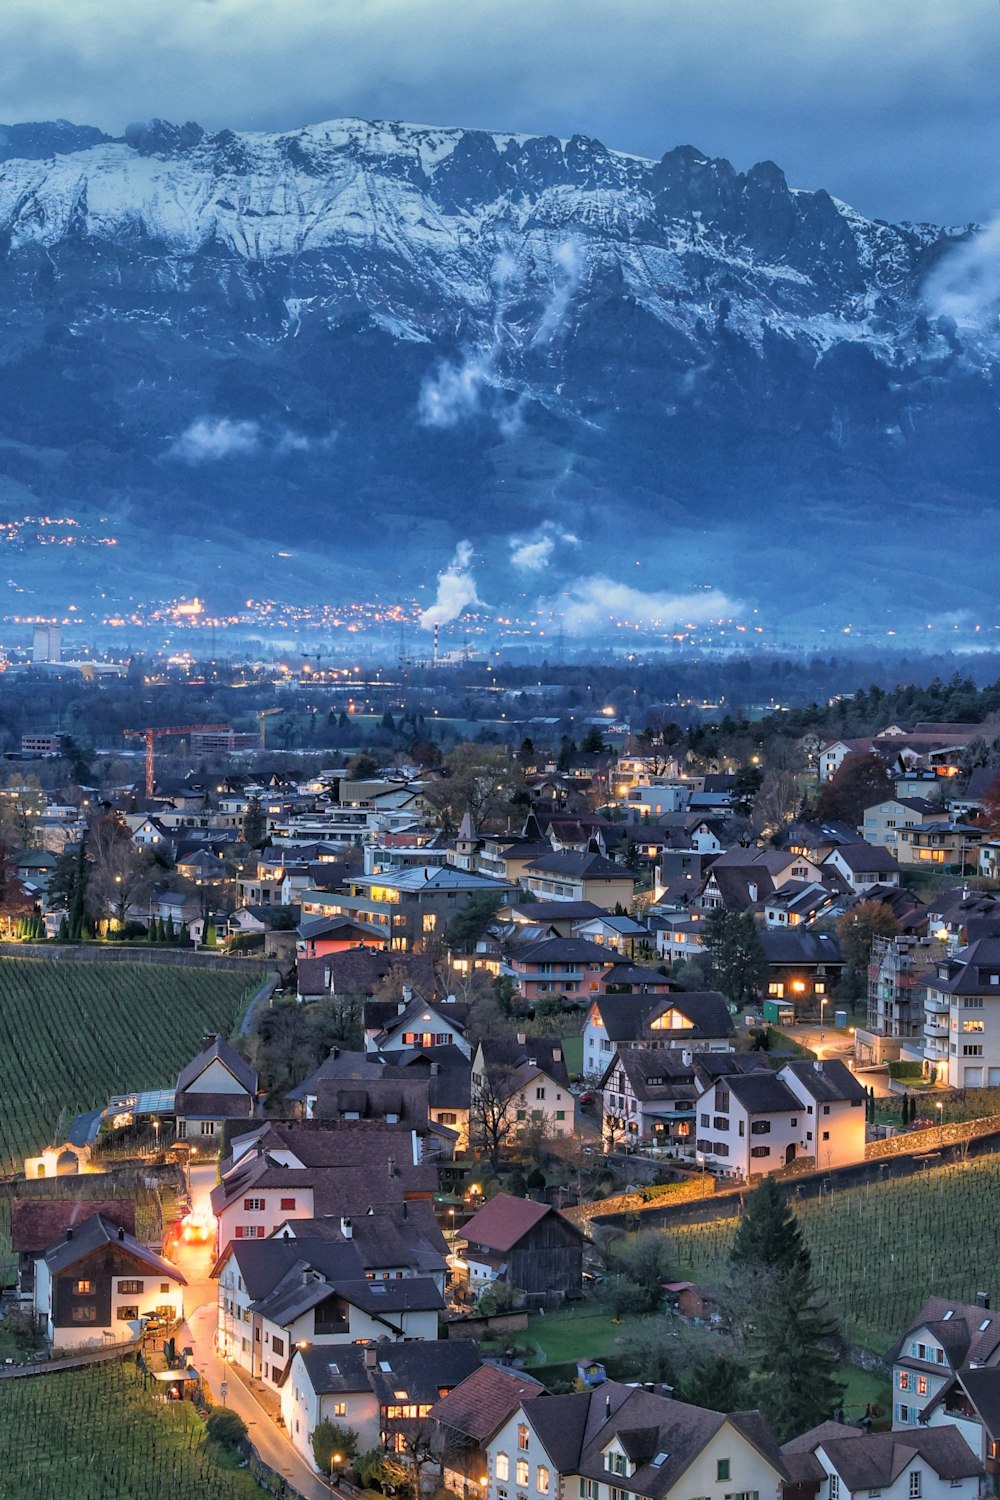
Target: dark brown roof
(218,1050)
(214,1106)
(505,1220)
(484,1401)
(35,1224)
(79,1242)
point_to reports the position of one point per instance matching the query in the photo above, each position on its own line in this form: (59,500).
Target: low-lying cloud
(595,603)
(965,284)
(534,552)
(209,440)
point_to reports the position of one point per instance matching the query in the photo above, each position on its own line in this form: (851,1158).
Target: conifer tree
(169,935)
(768,1233)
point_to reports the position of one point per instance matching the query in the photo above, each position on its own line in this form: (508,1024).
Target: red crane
(152,735)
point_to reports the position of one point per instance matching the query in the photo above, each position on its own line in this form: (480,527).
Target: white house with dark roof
(833,1128)
(699,1019)
(96,1284)
(863,866)
(216,1086)
(837,1462)
(618,1440)
(944,1339)
(962,1018)
(748,1125)
(531,1073)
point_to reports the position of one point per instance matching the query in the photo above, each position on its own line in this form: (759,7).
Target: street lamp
(822,1015)
(940,1110)
(336,1459)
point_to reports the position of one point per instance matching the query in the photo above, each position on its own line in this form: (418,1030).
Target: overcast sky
(891,104)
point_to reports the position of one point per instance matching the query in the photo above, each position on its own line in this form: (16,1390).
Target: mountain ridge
(360,315)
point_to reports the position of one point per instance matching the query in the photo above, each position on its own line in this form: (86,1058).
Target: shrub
(328,1441)
(225,1427)
(905,1070)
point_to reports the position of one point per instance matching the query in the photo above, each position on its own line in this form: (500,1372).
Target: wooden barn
(531,1246)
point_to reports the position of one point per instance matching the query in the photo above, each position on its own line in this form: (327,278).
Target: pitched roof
(422,1369)
(82,1240)
(829,1082)
(218,1049)
(862,857)
(800,947)
(880,1457)
(511,1054)
(580,866)
(763,1094)
(627,1017)
(965,1331)
(484,1401)
(502,1222)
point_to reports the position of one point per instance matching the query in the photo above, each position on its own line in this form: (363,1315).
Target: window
(826,1135)
(560,1114)
(288,1203)
(542,1480)
(760,1150)
(904,1380)
(249,1232)
(134,1288)
(589,1489)
(616,1463)
(904,1412)
(253,1205)
(703,1119)
(976,1051)
(340,1408)
(915,1485)
(522,1471)
(277,1346)
(82,1288)
(429,921)
(128,1314)
(921,1385)
(834,1487)
(540,1093)
(973,1026)
(760,1127)
(503,1466)
(208,1127)
(826,1109)
(164,1286)
(722,1469)
(86,1313)
(447,1117)
(617,1494)
(973,1002)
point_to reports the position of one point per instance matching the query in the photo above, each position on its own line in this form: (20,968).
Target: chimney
(335,1053)
(371,1357)
(69,1234)
(392,1166)
(400,1006)
(435,1069)
(983,1300)
(346,1228)
(522,1037)
(121,1232)
(407,993)
(607,1408)
(818,1064)
(209,1040)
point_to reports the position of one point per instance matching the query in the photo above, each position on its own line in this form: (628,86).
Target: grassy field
(879,1251)
(71,1034)
(97,1433)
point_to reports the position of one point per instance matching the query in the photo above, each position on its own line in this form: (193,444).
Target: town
(452,1117)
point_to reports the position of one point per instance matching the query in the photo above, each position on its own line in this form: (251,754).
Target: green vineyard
(100,1433)
(879,1251)
(72,1034)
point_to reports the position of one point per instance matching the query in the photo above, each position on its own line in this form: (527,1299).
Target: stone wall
(910,1142)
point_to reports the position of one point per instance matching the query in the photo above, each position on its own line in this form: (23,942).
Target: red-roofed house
(470,1415)
(529,1245)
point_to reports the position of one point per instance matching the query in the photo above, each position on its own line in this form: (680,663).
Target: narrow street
(200,1301)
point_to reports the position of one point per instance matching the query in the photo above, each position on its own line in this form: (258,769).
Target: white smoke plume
(456,590)
(597,602)
(534,552)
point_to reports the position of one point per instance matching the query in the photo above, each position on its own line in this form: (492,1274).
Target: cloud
(595,603)
(456,590)
(568,268)
(453,393)
(965,284)
(533,552)
(209,439)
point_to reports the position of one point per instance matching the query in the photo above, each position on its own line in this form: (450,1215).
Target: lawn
(72,1034)
(880,1250)
(98,1433)
(575,1332)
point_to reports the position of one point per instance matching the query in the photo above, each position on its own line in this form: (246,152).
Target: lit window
(542,1480)
(522,1471)
(503,1466)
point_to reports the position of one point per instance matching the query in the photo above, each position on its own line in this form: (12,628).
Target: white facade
(303,1409)
(916,1480)
(833,1131)
(257,1213)
(735,1142)
(962,1038)
(133,1299)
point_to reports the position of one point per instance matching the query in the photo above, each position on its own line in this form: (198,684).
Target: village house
(882,822)
(530,1246)
(951,847)
(411,906)
(216,1086)
(753,1123)
(469,1416)
(571,876)
(285,1291)
(413,1022)
(558,966)
(617,1439)
(530,1073)
(382,1392)
(845,1462)
(318,936)
(945,1338)
(802,967)
(962,1018)
(863,865)
(970,1401)
(37,1223)
(690,1019)
(649,1098)
(96,1284)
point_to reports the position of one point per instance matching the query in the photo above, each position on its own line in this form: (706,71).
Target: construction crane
(152,735)
(263,714)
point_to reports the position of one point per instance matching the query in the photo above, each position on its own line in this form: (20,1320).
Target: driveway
(201,1302)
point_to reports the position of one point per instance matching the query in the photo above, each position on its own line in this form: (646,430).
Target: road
(200,1300)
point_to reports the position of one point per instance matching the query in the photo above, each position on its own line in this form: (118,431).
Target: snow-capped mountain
(360,341)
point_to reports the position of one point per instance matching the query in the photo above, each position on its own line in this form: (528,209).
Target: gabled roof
(967,1333)
(800,947)
(880,1457)
(218,1049)
(36,1223)
(627,1017)
(484,1401)
(504,1221)
(93,1234)
(576,866)
(828,1082)
(763,1093)
(557,950)
(860,858)
(421,1369)
(512,1055)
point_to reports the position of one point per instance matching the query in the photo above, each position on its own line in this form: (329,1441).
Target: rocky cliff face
(358,342)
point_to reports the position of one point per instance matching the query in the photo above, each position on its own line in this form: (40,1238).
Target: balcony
(939,1004)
